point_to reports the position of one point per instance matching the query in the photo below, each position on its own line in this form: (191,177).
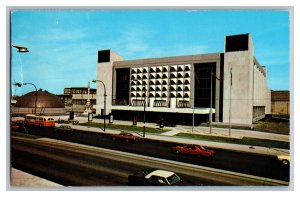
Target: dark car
(65,129)
(191,149)
(125,136)
(156,178)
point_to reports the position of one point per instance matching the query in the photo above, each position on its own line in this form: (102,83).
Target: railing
(183,104)
(120,102)
(160,103)
(137,102)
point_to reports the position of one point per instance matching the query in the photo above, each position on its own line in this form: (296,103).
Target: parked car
(73,122)
(14,126)
(125,136)
(191,149)
(284,159)
(156,178)
(65,129)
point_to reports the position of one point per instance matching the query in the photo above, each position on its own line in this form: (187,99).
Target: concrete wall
(241,89)
(105,74)
(261,92)
(238,106)
(249,91)
(281,107)
(280,102)
(44,111)
(268,101)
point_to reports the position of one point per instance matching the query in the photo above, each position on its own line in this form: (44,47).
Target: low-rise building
(280,102)
(76,98)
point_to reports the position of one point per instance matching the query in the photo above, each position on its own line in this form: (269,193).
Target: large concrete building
(182,88)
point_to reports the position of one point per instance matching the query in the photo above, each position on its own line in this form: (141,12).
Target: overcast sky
(63,45)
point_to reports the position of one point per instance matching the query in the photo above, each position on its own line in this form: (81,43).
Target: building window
(122,84)
(202,84)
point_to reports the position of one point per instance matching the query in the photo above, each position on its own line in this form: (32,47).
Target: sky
(63,44)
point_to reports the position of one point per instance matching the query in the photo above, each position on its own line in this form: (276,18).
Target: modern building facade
(280,101)
(76,98)
(184,88)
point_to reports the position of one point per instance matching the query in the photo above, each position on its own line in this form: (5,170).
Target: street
(72,164)
(257,165)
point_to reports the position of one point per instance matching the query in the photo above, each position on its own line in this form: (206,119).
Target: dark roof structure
(44,100)
(46,103)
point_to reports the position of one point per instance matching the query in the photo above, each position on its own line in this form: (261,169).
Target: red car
(191,149)
(14,126)
(125,136)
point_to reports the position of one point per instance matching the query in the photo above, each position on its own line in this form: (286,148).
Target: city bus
(42,121)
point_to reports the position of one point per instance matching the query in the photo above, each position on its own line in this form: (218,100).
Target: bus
(42,121)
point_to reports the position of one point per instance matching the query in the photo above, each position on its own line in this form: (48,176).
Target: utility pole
(230,102)
(210,109)
(36,91)
(104,112)
(193,119)
(144,129)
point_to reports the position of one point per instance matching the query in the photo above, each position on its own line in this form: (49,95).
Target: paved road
(79,165)
(251,164)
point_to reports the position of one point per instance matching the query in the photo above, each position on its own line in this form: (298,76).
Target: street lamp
(230,101)
(104,113)
(35,95)
(21,49)
(210,110)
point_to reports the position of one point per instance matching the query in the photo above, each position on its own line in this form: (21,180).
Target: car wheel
(285,162)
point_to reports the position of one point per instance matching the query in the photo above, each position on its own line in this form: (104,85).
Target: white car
(156,178)
(285,159)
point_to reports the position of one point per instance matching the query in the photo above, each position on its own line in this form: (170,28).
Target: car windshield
(173,179)
(202,148)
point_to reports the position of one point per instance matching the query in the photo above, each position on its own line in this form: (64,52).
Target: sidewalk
(224,132)
(23,179)
(170,136)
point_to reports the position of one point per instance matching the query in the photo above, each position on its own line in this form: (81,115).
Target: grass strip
(243,141)
(15,133)
(273,127)
(126,127)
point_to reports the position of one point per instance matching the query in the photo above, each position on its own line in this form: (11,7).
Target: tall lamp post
(104,112)
(21,49)
(35,95)
(210,110)
(230,101)
(144,128)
